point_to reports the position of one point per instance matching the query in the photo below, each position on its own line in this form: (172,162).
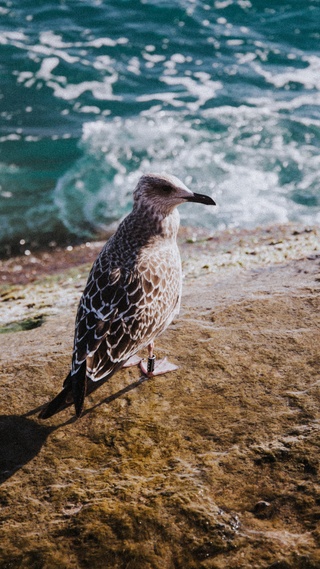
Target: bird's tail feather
(75,388)
(74,391)
(79,388)
(60,402)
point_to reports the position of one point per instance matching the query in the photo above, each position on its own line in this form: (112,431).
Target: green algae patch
(23,325)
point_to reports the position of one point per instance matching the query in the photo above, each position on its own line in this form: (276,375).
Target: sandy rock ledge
(215,466)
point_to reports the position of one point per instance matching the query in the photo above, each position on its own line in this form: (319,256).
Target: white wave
(308,76)
(249,167)
(103,42)
(101,90)
(48,64)
(268,106)
(51,50)
(52,39)
(201,87)
(12,37)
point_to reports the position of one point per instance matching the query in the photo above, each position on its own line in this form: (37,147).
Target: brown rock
(169,473)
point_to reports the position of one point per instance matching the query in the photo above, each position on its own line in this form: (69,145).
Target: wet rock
(215,466)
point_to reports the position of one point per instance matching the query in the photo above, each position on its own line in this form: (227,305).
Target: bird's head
(162,193)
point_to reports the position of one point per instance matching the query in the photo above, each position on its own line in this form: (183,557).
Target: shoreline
(32,265)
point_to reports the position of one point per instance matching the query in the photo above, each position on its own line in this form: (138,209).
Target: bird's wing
(120,312)
(104,299)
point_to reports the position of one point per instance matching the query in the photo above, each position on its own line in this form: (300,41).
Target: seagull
(132,294)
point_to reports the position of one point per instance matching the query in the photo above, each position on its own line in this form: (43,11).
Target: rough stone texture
(215,466)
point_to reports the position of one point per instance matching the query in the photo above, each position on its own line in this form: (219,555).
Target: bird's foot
(152,366)
(133,361)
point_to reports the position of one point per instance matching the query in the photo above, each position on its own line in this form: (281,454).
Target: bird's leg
(151,359)
(155,367)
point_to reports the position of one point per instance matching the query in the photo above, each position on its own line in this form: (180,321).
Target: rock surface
(215,466)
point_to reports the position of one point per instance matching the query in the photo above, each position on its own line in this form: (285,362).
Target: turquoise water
(223,94)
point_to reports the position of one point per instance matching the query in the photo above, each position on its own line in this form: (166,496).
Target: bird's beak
(200,198)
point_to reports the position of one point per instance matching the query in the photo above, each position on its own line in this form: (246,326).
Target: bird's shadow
(114,396)
(22,437)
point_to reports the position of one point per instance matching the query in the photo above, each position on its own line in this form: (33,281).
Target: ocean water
(224,94)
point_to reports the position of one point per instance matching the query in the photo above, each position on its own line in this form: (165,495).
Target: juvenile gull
(132,294)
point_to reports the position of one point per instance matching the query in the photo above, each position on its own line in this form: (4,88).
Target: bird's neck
(157,223)
(170,225)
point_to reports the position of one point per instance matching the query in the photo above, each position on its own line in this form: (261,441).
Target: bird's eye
(166,188)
